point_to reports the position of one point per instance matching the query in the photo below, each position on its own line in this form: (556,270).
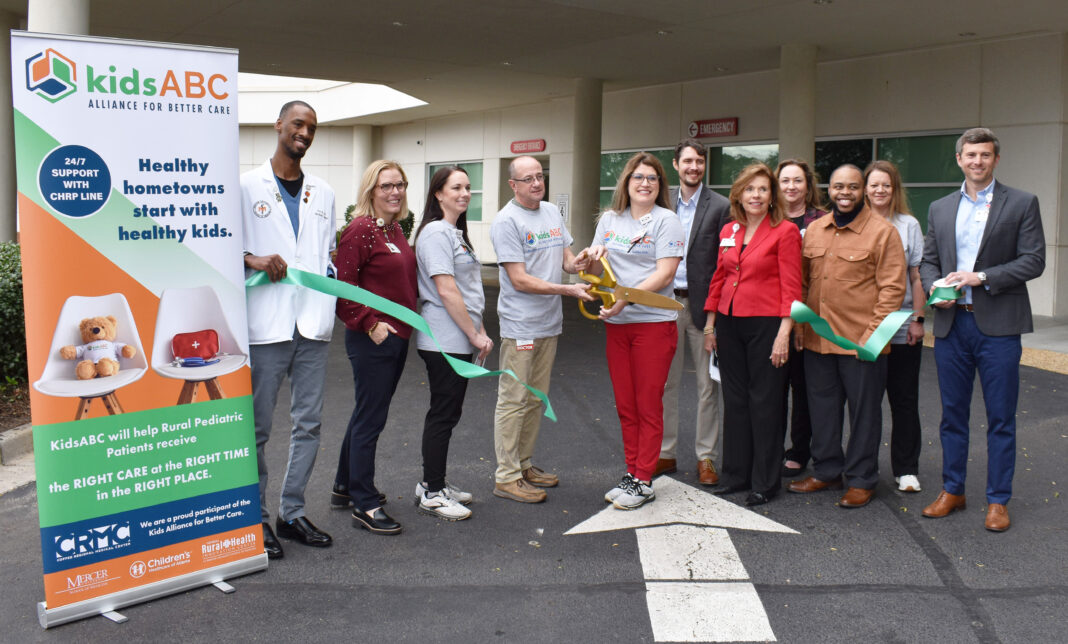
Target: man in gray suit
(987,240)
(703,214)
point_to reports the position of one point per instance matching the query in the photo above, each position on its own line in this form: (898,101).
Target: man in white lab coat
(289,221)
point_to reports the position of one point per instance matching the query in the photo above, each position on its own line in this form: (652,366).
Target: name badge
(727,242)
(392,247)
(645,219)
(982,213)
(524,345)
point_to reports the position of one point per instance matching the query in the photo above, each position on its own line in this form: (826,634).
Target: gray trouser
(708,428)
(304,361)
(834,380)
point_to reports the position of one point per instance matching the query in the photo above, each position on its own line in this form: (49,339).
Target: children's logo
(607,237)
(51,75)
(531,239)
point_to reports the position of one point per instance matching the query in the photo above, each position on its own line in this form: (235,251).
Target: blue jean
(376,370)
(304,361)
(964,350)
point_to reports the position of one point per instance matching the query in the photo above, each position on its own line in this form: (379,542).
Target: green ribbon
(871,349)
(347,291)
(943,294)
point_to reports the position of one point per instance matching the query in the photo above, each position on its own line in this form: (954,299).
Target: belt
(682,292)
(966,307)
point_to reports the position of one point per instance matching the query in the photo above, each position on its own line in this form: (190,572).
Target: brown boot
(997,517)
(706,472)
(813,484)
(540,478)
(519,490)
(665,466)
(944,504)
(856,497)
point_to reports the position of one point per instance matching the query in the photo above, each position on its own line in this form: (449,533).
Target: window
(612,165)
(724,163)
(474,172)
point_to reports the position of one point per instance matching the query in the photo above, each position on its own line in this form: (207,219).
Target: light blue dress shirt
(686,211)
(971,221)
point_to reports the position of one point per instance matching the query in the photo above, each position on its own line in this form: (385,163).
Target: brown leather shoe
(519,490)
(813,484)
(997,517)
(944,504)
(665,466)
(706,472)
(856,497)
(540,478)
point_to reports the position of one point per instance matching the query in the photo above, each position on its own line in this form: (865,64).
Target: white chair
(185,310)
(58,378)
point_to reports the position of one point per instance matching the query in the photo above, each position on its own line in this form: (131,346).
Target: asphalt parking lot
(882,573)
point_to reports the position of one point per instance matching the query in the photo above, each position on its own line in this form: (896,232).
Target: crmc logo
(51,75)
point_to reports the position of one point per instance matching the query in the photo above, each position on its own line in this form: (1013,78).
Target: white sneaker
(908,483)
(635,495)
(613,494)
(454,493)
(440,505)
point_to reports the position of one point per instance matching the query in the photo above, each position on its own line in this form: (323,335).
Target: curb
(15,443)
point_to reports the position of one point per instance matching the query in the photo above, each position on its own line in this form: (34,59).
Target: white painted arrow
(697,589)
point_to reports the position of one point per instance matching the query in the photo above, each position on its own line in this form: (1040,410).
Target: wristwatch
(919,318)
(982,277)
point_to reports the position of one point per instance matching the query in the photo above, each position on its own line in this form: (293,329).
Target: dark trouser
(800,421)
(376,370)
(447,391)
(833,380)
(997,358)
(753,398)
(903,392)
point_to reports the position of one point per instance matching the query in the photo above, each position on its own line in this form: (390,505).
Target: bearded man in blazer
(987,239)
(703,214)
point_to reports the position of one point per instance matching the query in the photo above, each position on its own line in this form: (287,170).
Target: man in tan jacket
(853,276)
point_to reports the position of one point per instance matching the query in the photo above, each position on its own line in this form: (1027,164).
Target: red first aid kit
(197,344)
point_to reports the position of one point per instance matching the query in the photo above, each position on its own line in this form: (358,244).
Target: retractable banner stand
(130,224)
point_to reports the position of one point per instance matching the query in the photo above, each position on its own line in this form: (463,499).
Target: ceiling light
(507,63)
(720,69)
(821,2)
(663,32)
(966,34)
(398,23)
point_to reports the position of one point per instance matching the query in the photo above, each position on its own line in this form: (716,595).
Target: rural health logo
(51,75)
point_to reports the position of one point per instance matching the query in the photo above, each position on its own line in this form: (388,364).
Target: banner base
(111,603)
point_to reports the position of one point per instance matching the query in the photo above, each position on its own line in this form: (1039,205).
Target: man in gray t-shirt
(532,246)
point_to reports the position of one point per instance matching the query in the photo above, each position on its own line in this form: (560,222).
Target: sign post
(129,210)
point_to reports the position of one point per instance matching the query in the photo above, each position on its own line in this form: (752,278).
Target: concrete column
(797,102)
(585,182)
(363,154)
(58,16)
(8,192)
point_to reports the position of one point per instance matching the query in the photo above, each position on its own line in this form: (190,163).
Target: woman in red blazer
(757,278)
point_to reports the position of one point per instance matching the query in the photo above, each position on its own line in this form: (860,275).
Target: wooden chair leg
(114,407)
(189,393)
(215,392)
(83,408)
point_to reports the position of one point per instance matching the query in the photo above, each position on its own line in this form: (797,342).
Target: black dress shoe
(730,489)
(758,498)
(270,543)
(377,522)
(790,472)
(340,499)
(304,531)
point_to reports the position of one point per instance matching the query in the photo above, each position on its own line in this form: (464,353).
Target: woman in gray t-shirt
(451,301)
(644,242)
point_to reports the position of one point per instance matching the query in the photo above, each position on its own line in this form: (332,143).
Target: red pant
(639,358)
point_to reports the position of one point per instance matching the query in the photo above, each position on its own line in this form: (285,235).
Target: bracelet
(709,330)
(373,327)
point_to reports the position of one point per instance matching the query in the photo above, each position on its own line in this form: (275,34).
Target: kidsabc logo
(51,75)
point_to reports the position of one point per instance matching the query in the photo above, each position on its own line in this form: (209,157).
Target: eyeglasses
(531,179)
(387,188)
(641,178)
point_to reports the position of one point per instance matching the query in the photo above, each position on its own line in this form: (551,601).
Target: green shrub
(12,322)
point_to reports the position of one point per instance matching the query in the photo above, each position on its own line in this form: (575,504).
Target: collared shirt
(971,221)
(686,210)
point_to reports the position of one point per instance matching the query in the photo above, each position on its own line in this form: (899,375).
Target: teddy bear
(99,355)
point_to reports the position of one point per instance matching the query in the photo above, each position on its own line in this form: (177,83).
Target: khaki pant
(706,434)
(517,418)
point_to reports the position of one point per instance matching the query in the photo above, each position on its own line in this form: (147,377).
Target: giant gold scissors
(626,293)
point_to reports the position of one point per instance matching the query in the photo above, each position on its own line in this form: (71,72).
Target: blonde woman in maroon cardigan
(757,278)
(373,254)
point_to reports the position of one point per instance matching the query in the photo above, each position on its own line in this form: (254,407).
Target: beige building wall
(1018,88)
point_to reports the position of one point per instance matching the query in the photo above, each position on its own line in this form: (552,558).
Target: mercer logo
(90,540)
(51,75)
